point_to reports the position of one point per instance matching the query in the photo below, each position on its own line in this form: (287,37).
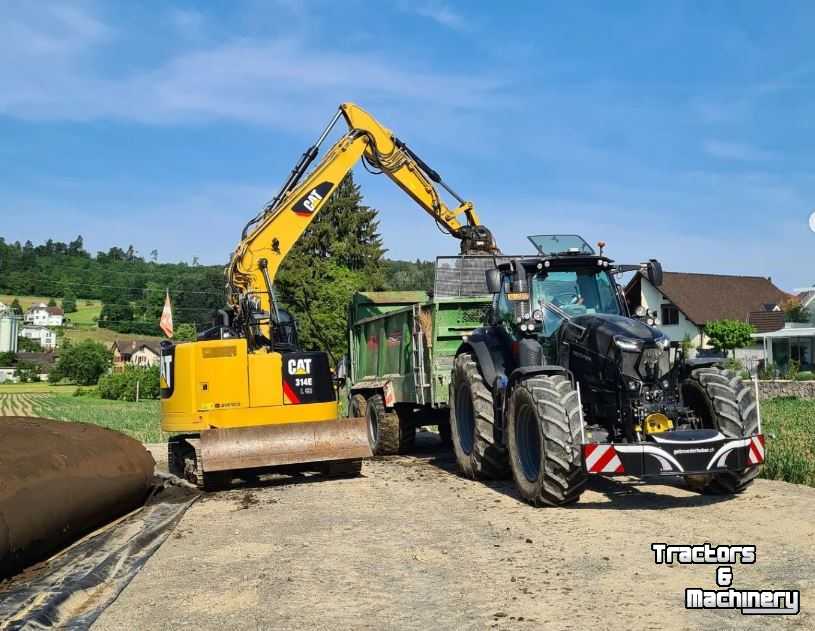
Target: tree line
(341,252)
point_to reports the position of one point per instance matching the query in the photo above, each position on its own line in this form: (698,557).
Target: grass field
(86,310)
(104,336)
(791,454)
(40,388)
(139,420)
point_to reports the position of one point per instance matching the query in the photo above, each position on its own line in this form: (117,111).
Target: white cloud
(439,13)
(737,151)
(282,82)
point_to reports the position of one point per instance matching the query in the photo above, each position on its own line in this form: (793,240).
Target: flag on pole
(166,322)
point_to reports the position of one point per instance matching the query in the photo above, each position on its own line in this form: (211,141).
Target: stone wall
(783,388)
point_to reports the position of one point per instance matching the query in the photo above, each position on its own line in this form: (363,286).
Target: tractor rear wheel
(722,401)
(472,421)
(543,433)
(387,432)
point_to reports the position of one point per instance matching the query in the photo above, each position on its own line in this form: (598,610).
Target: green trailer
(402,345)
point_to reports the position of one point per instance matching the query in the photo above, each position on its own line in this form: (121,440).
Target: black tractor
(562,382)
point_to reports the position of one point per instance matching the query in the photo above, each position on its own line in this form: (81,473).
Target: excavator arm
(268,238)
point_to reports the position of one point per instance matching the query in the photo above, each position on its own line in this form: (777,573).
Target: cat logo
(311,201)
(299,366)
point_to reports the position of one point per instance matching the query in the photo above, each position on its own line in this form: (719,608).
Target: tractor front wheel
(725,403)
(472,420)
(543,432)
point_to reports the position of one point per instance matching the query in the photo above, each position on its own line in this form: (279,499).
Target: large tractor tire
(472,421)
(388,434)
(722,401)
(544,437)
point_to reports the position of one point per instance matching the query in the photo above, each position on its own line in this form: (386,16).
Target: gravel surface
(411,545)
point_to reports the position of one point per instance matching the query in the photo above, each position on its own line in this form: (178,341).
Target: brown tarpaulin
(59,481)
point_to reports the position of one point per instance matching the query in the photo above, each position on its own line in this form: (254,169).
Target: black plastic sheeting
(72,589)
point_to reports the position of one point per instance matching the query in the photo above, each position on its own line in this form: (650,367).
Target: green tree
(26,372)
(318,298)
(82,363)
(184,332)
(27,345)
(345,231)
(69,301)
(7,359)
(794,311)
(16,307)
(340,253)
(122,386)
(728,335)
(52,302)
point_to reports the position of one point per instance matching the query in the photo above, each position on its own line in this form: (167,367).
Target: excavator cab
(241,405)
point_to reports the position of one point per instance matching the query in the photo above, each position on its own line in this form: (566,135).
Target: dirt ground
(411,545)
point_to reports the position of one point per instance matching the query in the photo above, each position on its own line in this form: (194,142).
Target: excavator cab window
(284,332)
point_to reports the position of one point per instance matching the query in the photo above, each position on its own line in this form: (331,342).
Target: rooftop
(707,297)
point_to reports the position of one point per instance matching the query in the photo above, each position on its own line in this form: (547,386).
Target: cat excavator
(245,396)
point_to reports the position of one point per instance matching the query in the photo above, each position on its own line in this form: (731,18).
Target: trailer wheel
(543,432)
(472,421)
(358,406)
(383,427)
(722,401)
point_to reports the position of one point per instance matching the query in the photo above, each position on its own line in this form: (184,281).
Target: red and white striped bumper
(675,453)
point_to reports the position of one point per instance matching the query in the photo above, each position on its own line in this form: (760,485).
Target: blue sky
(682,131)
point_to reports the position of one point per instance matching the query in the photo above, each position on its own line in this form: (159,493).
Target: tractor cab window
(567,294)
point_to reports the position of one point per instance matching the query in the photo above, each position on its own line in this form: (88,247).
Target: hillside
(124,293)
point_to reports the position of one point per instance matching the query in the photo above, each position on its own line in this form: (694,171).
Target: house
(685,303)
(794,342)
(43,315)
(43,361)
(142,353)
(46,336)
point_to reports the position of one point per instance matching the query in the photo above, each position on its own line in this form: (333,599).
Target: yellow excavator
(245,395)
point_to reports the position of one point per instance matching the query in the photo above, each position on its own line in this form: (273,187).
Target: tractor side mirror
(654,272)
(493,280)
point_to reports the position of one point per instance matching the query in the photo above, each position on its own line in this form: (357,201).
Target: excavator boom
(245,395)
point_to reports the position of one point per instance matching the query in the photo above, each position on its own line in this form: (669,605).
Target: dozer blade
(290,443)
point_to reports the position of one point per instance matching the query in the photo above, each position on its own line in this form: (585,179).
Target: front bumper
(684,452)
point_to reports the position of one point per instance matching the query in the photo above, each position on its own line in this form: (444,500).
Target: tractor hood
(596,332)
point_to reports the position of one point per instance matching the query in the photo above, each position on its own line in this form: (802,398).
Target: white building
(43,315)
(9,323)
(45,336)
(685,303)
(141,353)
